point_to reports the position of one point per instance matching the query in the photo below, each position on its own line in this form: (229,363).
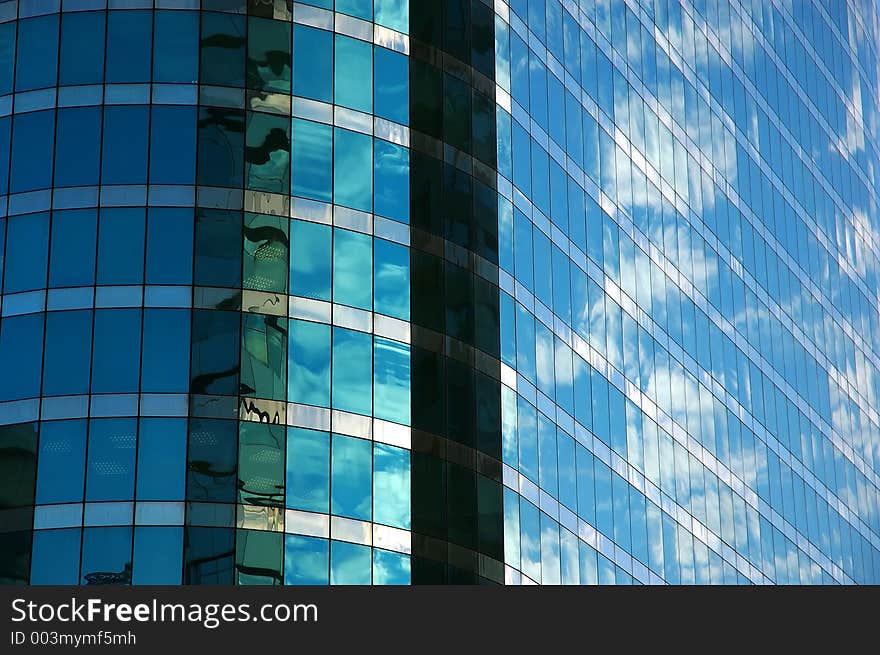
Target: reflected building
(408,292)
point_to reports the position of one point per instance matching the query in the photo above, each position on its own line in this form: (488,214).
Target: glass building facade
(459,291)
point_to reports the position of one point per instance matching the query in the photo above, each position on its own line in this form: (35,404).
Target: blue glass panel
(391,175)
(7,56)
(21,350)
(121,234)
(27,252)
(176,57)
(72,258)
(157,556)
(308,470)
(392,13)
(55,557)
(312,63)
(82,47)
(352,368)
(353,73)
(61,464)
(106,556)
(352,268)
(169,246)
(161,459)
(111,459)
(390,568)
(311,164)
(351,477)
(352,155)
(173,145)
(116,351)
(78,147)
(129,46)
(5,142)
(308,373)
(349,564)
(306,561)
(391,486)
(391,279)
(166,351)
(530,539)
(392,84)
(37,58)
(126,141)
(33,143)
(310,260)
(358,8)
(68,352)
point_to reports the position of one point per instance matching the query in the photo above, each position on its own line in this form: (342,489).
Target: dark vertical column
(212,455)
(18,472)
(456,393)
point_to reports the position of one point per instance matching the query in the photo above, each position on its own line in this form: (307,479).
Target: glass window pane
(309,364)
(352,156)
(111,454)
(161,459)
(352,268)
(312,63)
(310,260)
(306,561)
(311,165)
(349,564)
(308,470)
(61,464)
(352,371)
(391,380)
(350,486)
(353,73)
(391,486)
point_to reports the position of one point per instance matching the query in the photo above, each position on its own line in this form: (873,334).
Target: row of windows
(538,174)
(153,555)
(556,121)
(632,350)
(548,553)
(128,246)
(231,51)
(126,350)
(118,459)
(777,358)
(134,144)
(566,470)
(621,26)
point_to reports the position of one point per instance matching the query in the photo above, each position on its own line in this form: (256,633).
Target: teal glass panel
(391,380)
(391,486)
(352,268)
(308,364)
(352,371)
(308,470)
(351,471)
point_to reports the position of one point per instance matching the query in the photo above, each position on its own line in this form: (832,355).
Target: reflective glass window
(82,47)
(352,268)
(310,260)
(61,464)
(161,459)
(37,58)
(308,470)
(129,45)
(111,459)
(306,560)
(311,163)
(351,477)
(308,376)
(352,371)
